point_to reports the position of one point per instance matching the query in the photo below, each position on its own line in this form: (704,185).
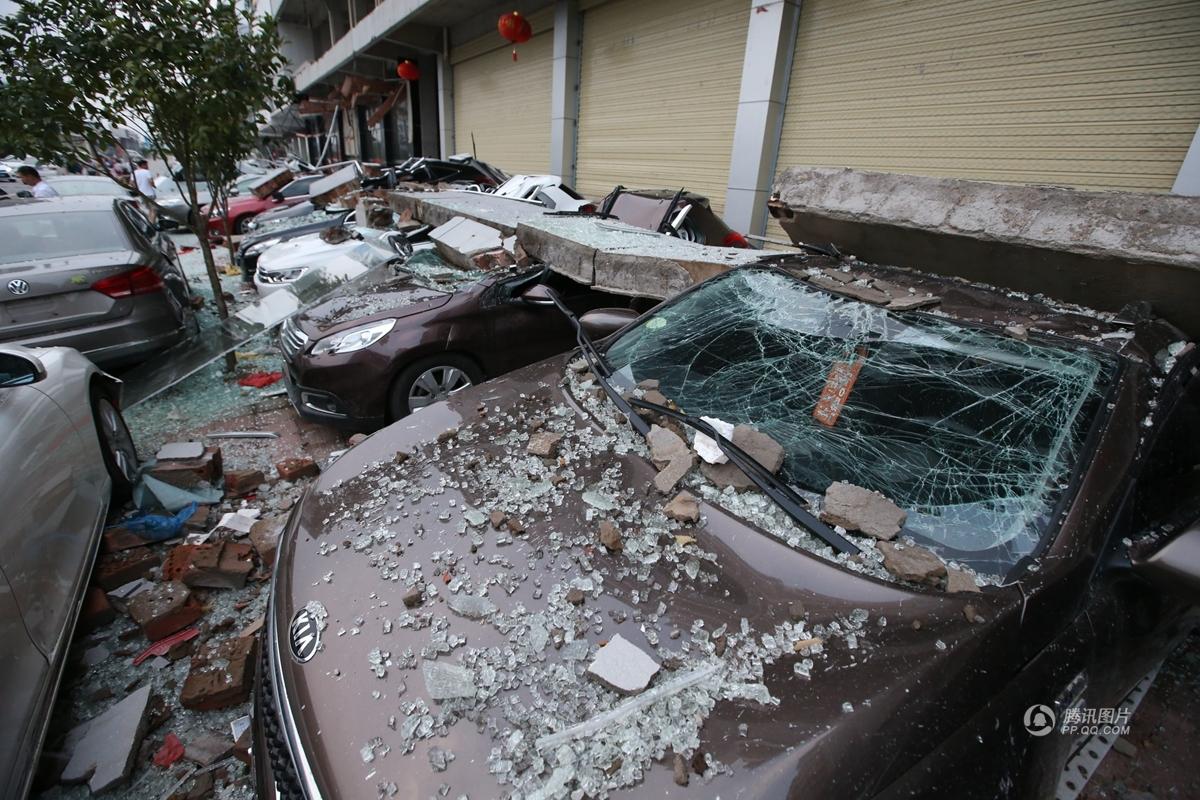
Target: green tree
(197,72)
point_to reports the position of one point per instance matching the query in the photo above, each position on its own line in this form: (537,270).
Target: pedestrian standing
(37,187)
(144,180)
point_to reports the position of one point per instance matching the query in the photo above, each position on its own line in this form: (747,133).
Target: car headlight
(355,338)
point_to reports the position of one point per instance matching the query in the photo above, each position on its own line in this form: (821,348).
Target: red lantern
(515,28)
(408,70)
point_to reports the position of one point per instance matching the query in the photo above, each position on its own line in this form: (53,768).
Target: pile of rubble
(157,700)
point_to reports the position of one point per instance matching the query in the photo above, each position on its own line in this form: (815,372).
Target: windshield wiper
(783,495)
(777,490)
(599,365)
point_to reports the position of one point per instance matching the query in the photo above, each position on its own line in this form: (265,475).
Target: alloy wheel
(434,384)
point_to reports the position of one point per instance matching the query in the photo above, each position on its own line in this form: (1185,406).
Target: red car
(244,209)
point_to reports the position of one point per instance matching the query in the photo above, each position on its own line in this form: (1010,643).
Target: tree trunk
(214,279)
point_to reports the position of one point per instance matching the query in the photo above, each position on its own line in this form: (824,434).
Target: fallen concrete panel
(623,259)
(1099,249)
(437,208)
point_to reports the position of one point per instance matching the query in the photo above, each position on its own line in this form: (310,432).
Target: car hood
(392,299)
(410,508)
(304,251)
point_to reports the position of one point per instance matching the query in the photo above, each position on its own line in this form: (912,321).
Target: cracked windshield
(971,432)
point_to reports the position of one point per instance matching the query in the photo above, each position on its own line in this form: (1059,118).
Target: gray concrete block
(105,746)
(460,239)
(1098,249)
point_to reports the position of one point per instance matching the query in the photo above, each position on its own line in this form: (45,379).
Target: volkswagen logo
(1039,720)
(18,286)
(304,635)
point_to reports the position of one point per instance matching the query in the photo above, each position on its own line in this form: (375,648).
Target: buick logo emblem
(304,635)
(18,286)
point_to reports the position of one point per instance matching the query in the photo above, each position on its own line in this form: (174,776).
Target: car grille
(283,770)
(292,339)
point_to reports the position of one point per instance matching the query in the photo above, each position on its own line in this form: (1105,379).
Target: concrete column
(1188,180)
(766,68)
(564,95)
(445,104)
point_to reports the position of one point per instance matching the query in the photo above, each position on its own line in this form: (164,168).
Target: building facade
(716,95)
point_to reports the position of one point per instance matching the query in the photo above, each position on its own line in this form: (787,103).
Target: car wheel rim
(117,440)
(434,384)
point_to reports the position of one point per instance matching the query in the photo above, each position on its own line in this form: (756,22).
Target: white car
(284,263)
(546,190)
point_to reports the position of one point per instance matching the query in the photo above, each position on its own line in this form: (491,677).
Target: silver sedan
(66,453)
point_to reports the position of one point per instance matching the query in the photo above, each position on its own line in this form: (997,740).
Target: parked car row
(1045,560)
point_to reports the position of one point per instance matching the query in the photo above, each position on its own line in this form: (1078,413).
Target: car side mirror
(20,369)
(1175,567)
(400,243)
(538,295)
(603,322)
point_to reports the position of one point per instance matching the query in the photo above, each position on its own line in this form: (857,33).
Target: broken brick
(188,473)
(610,537)
(219,565)
(198,521)
(575,597)
(170,752)
(175,565)
(95,611)
(117,569)
(413,597)
(163,609)
(295,469)
(118,539)
(243,481)
(264,537)
(208,748)
(220,675)
(497,519)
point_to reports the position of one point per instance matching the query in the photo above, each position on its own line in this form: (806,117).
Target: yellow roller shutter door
(1103,94)
(658,94)
(505,104)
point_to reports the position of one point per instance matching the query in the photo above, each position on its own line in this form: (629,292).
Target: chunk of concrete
(1106,247)
(174,450)
(461,239)
(759,446)
(106,746)
(958,580)
(683,508)
(544,444)
(610,537)
(858,509)
(912,563)
(622,666)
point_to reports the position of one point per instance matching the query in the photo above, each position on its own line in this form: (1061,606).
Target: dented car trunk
(446,596)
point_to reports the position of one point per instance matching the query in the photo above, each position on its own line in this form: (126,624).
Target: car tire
(241,223)
(429,380)
(116,445)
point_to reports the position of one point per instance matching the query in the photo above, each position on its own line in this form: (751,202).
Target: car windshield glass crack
(972,432)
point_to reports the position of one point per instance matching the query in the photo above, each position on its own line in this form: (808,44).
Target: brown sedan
(363,361)
(513,593)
